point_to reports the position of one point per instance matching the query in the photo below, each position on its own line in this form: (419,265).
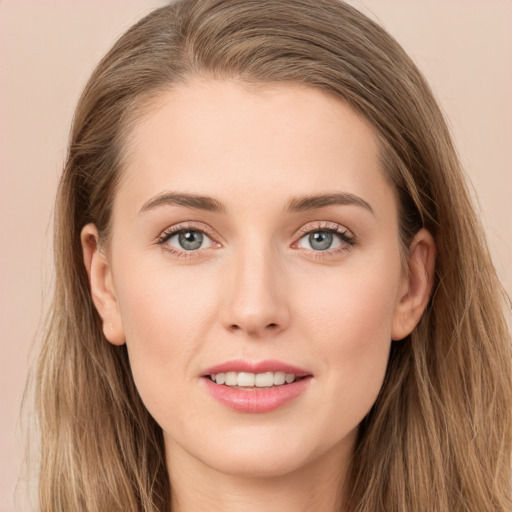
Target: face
(255,241)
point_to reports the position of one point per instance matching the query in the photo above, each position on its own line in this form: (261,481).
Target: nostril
(253,330)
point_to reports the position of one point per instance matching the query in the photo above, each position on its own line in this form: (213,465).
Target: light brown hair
(439,437)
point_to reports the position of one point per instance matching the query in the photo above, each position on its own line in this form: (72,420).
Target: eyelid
(346,238)
(324,226)
(184,226)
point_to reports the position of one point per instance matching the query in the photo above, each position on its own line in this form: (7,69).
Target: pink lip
(268,365)
(256,400)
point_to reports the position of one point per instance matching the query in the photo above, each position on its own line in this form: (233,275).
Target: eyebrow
(294,204)
(306,203)
(183,199)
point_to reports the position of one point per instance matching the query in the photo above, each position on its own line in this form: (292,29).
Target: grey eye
(188,239)
(321,240)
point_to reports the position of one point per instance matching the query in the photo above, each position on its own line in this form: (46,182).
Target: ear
(416,285)
(102,285)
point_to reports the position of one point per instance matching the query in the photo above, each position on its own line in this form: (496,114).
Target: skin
(256,288)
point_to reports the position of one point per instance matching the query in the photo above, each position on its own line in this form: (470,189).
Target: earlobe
(101,285)
(416,287)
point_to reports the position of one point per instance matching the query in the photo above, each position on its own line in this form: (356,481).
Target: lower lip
(256,400)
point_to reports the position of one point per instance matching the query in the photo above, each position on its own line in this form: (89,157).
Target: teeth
(280,378)
(264,380)
(245,379)
(231,379)
(249,380)
(289,378)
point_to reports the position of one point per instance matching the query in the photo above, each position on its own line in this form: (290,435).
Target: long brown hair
(439,437)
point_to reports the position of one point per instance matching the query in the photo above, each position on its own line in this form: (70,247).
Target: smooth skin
(253,280)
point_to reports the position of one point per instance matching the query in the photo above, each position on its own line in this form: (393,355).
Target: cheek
(160,300)
(354,305)
(162,313)
(350,322)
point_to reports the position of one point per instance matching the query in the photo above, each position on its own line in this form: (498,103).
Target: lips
(255,387)
(256,367)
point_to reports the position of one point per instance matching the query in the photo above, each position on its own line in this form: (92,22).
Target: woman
(272,289)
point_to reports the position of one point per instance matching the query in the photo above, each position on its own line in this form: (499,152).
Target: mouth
(255,387)
(248,380)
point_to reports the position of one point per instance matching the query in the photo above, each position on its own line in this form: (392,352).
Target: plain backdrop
(49,47)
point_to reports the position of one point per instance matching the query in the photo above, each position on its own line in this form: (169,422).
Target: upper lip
(268,365)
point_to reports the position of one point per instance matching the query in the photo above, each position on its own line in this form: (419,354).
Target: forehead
(247,145)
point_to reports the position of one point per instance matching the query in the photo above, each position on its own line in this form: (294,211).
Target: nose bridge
(256,300)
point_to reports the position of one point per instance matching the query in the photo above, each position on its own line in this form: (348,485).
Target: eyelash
(169,233)
(347,239)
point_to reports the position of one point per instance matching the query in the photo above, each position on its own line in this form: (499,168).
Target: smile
(255,387)
(253,380)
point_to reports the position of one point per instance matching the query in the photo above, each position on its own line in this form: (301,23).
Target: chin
(251,464)
(259,453)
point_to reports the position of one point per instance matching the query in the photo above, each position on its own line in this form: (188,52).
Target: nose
(255,300)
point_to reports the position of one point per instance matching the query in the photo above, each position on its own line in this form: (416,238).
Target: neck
(197,487)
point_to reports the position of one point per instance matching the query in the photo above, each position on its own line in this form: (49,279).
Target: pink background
(49,47)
